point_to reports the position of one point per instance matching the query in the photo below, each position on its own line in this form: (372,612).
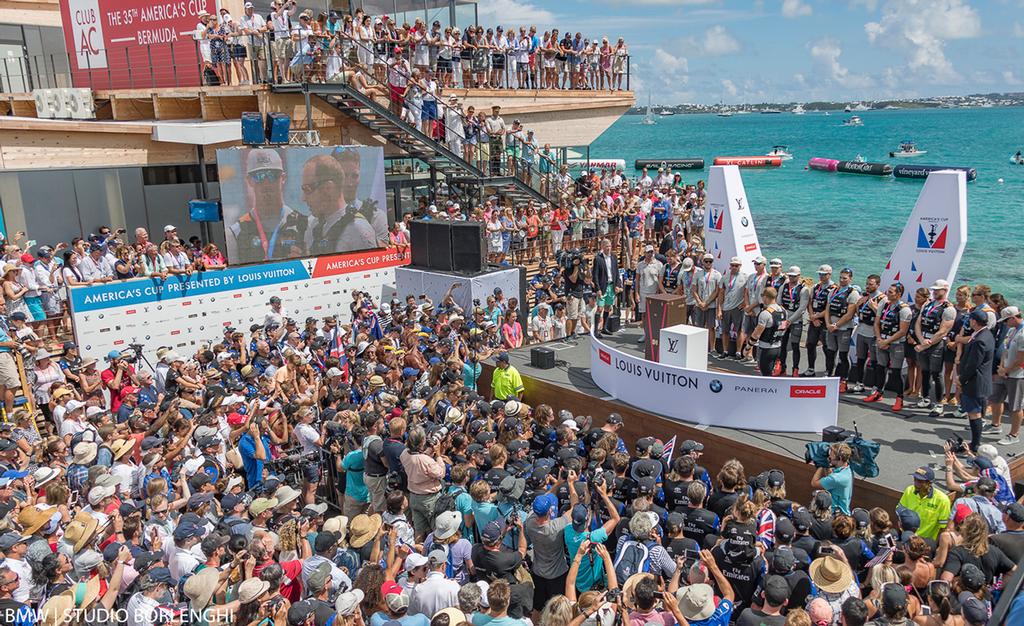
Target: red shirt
(291,584)
(107,376)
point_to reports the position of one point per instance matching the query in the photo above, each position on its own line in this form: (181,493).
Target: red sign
(749,247)
(807,391)
(359,262)
(124,44)
(607,358)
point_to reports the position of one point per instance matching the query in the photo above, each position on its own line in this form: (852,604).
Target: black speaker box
(614,323)
(439,245)
(834,434)
(468,253)
(418,243)
(542,358)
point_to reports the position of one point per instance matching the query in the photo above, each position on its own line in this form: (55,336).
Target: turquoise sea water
(808,217)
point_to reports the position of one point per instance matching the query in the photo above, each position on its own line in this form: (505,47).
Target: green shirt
(933,510)
(591,566)
(506,383)
(840,484)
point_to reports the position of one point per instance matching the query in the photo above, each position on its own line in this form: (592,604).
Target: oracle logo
(607,358)
(807,391)
(750,247)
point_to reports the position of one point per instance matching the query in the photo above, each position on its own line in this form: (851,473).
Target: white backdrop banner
(935,236)
(715,398)
(729,225)
(184,312)
(435,285)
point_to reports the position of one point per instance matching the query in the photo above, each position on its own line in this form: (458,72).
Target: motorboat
(780,151)
(725,114)
(649,117)
(847,109)
(666,112)
(860,106)
(907,149)
(853,121)
(1017,159)
(799,110)
(827,114)
(770,112)
(859,159)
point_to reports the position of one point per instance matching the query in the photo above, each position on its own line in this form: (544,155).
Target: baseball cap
(971,577)
(979,316)
(413,561)
(794,270)
(735,261)
(924,473)
(545,504)
(894,598)
(264,159)
(648,248)
(909,518)
(940,284)
(776,590)
(493,531)
(825,269)
(776,262)
(1015,512)
(691,446)
(1008,312)
(580,513)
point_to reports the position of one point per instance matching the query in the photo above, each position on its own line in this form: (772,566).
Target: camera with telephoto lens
(957,445)
(438,435)
(336,434)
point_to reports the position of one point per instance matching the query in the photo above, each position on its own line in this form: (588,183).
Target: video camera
(572,259)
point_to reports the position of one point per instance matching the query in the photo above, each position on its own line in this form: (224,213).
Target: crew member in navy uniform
(767,334)
(270,229)
(816,306)
(335,224)
(350,162)
(776,279)
(892,323)
(839,314)
(864,336)
(670,273)
(793,296)
(933,325)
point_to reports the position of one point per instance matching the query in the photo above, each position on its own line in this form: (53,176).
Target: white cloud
(1018,30)
(716,42)
(660,2)
(795,8)
(869,5)
(513,12)
(826,53)
(730,88)
(921,29)
(670,63)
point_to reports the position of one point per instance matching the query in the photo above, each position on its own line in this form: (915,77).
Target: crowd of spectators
(328,46)
(352,469)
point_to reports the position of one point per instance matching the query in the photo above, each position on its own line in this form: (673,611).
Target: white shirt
(434,594)
(91,269)
(24,572)
(253,22)
(182,562)
(307,436)
(542,327)
(141,610)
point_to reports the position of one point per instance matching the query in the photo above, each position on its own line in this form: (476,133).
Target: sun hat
(261,505)
(252,588)
(286,495)
(122,447)
(362,529)
(80,531)
(831,574)
(447,524)
(200,587)
(696,602)
(348,603)
(33,518)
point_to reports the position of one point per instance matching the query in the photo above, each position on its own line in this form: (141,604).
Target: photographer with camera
(120,374)
(425,468)
(837,478)
(574,268)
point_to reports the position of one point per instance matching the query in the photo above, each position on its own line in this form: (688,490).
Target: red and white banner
(715,398)
(123,44)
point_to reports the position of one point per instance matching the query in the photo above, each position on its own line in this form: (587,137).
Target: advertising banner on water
(182,312)
(935,236)
(288,203)
(715,398)
(124,44)
(728,224)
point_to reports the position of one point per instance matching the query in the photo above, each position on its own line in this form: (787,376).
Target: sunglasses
(265,175)
(311,187)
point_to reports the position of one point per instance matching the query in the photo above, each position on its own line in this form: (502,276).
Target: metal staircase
(379,120)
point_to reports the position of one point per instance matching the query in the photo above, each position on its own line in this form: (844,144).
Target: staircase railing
(489,159)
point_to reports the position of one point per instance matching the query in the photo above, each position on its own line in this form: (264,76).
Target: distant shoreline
(978,101)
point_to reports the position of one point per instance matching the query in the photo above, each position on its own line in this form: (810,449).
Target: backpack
(634,557)
(446,502)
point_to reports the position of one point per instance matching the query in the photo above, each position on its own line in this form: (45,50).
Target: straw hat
(362,529)
(831,574)
(337,525)
(33,518)
(57,610)
(84,453)
(628,595)
(45,474)
(122,447)
(285,495)
(80,530)
(200,587)
(251,588)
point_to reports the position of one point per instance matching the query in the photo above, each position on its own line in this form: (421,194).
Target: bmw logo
(744,221)
(715,385)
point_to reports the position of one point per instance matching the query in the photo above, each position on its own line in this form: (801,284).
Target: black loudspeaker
(468,254)
(834,434)
(418,243)
(253,133)
(542,358)
(439,245)
(614,323)
(277,127)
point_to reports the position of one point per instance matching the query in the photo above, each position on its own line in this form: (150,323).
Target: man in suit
(976,373)
(605,271)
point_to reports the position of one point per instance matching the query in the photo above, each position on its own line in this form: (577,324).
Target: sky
(751,51)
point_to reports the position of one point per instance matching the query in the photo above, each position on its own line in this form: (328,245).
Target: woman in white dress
(364,41)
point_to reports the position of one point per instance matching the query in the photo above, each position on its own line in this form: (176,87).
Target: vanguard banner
(183,312)
(935,236)
(287,203)
(715,398)
(729,226)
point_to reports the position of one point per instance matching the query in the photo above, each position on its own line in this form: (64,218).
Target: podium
(686,346)
(663,310)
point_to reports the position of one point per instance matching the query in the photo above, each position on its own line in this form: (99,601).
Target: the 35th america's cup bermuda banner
(715,398)
(183,312)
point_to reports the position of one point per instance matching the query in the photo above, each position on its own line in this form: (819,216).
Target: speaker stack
(257,130)
(448,246)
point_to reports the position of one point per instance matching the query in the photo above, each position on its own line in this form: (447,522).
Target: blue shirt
(355,488)
(253,467)
(591,567)
(840,484)
(471,374)
(482,619)
(380,618)
(721,616)
(4,337)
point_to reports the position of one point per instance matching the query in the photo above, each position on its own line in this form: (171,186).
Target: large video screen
(292,202)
